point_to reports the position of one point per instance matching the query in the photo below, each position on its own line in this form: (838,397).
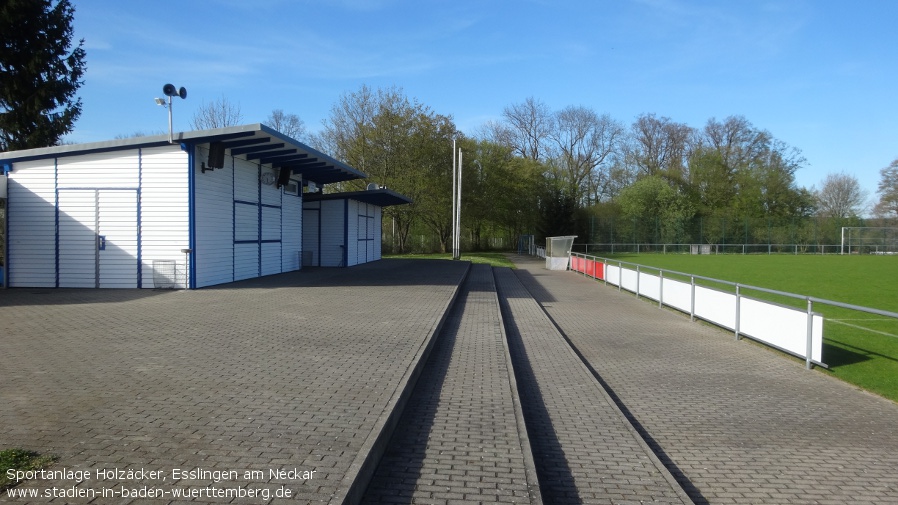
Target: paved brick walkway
(295,371)
(585,450)
(734,422)
(460,439)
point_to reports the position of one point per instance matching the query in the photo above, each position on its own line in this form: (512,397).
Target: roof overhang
(256,142)
(380,197)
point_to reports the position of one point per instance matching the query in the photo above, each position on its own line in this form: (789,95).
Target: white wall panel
(164,223)
(215,225)
(291,233)
(378,234)
(310,216)
(716,306)
(31,215)
(612,274)
(246,261)
(649,286)
(628,279)
(782,327)
(78,253)
(246,221)
(678,294)
(113,169)
(271,223)
(332,234)
(118,224)
(271,258)
(271,193)
(352,232)
(246,181)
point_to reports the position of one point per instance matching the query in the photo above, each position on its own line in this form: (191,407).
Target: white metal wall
(74,221)
(350,223)
(365,233)
(214,207)
(291,231)
(311,215)
(333,233)
(245,227)
(31,218)
(164,213)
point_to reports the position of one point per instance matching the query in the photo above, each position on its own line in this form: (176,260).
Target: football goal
(869,240)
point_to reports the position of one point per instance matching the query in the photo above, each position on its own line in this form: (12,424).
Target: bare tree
(530,125)
(585,140)
(888,191)
(660,145)
(288,124)
(217,114)
(840,196)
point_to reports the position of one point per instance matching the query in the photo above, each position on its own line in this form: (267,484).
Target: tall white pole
(452,229)
(458,210)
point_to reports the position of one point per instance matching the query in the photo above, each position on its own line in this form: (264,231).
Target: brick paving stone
(585,450)
(734,422)
(282,372)
(458,439)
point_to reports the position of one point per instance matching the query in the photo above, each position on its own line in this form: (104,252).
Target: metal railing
(810,300)
(674,248)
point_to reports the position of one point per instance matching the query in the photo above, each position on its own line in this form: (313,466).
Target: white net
(869,240)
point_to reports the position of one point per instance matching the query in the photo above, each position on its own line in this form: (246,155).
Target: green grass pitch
(860,348)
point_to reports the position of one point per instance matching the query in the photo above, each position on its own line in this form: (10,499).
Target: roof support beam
(255,149)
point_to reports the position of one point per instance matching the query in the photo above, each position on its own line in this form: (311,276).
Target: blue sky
(820,75)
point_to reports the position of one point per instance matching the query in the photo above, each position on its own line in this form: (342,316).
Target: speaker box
(284,176)
(216,155)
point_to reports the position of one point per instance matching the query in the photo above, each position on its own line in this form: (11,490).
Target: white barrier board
(612,274)
(628,279)
(782,327)
(649,286)
(678,295)
(716,307)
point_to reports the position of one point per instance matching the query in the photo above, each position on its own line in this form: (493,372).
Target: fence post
(738,299)
(637,280)
(692,299)
(660,289)
(807,360)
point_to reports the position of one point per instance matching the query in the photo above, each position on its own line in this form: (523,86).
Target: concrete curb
(656,461)
(355,482)
(529,463)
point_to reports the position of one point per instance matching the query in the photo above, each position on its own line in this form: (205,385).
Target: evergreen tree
(40,73)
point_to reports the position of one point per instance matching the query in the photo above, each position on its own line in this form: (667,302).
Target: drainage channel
(460,435)
(584,447)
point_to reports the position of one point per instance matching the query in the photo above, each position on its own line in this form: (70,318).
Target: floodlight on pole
(169,90)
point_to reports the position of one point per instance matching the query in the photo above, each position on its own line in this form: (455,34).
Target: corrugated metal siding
(365,232)
(378,233)
(117,222)
(271,258)
(32,224)
(291,232)
(215,223)
(352,231)
(246,261)
(77,239)
(164,224)
(311,213)
(332,233)
(246,181)
(246,222)
(115,169)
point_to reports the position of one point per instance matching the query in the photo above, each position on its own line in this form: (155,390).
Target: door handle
(101,242)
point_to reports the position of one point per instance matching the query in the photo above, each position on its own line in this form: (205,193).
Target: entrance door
(98,238)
